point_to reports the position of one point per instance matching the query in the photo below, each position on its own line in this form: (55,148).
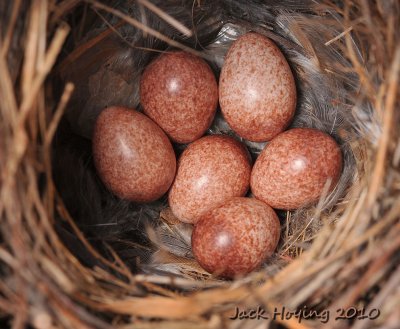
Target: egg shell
(292,170)
(257,91)
(236,237)
(133,156)
(210,171)
(179,92)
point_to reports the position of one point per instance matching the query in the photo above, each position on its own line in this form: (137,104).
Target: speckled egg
(179,92)
(293,169)
(236,237)
(257,92)
(133,156)
(210,171)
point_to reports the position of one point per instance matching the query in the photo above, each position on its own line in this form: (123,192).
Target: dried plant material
(169,19)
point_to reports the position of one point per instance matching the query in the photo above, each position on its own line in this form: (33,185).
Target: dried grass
(353,258)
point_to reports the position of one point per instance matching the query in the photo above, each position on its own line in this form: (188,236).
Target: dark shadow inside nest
(107,73)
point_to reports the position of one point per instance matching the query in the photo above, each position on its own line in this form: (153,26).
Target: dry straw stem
(45,285)
(169,19)
(145,28)
(67,5)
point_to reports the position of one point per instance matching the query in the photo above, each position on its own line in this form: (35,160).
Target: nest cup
(73,255)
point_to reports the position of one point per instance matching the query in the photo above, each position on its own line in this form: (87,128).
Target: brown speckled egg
(257,92)
(292,170)
(236,237)
(210,171)
(132,155)
(179,92)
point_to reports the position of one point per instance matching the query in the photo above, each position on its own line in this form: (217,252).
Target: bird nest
(72,255)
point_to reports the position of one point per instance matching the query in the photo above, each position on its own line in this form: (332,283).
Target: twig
(145,28)
(168,18)
(77,52)
(10,29)
(114,29)
(43,71)
(68,90)
(381,155)
(389,288)
(339,36)
(63,8)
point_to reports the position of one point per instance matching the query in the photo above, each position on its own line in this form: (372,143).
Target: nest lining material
(318,107)
(70,249)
